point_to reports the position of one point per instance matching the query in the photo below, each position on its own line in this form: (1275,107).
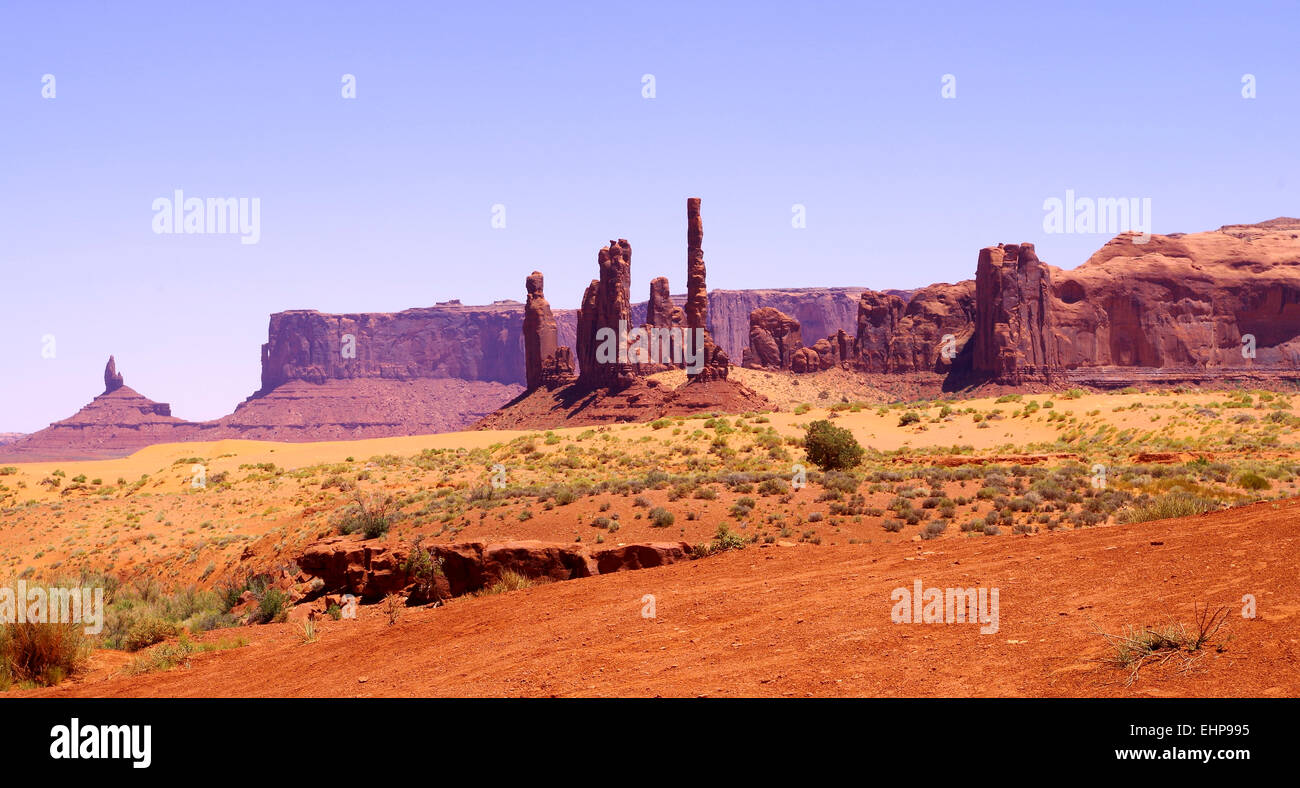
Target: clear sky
(384,202)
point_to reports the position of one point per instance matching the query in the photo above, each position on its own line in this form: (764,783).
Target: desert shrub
(933,528)
(840,482)
(815,517)
(510,580)
(774,486)
(1252,481)
(146,633)
(273,606)
(370,515)
(661,517)
(424,568)
(43,654)
(706,494)
(892,526)
(724,539)
(831,447)
(564,496)
(910,417)
(1169,505)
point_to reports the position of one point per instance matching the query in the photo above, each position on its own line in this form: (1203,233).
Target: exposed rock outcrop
(896,336)
(547,363)
(604,317)
(1015,342)
(716,361)
(820,312)
(774,337)
(371,569)
(112,378)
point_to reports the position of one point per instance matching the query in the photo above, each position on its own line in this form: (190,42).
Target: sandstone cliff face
(112,378)
(1179,307)
(121,421)
(909,336)
(1015,340)
(450,341)
(774,337)
(820,311)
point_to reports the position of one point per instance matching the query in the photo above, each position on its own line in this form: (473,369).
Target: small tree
(830,447)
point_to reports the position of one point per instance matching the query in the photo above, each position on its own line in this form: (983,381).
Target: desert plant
(831,447)
(1169,505)
(1138,646)
(510,580)
(371,515)
(42,654)
(661,517)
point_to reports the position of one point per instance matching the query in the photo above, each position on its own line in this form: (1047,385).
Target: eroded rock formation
(112,378)
(774,337)
(545,361)
(604,319)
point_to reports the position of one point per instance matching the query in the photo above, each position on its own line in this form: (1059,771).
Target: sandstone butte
(1202,308)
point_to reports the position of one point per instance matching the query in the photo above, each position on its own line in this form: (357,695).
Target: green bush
(831,447)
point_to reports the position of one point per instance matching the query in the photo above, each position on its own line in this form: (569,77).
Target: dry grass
(1139,646)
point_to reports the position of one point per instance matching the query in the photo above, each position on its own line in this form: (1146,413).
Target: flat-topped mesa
(112,378)
(697,299)
(603,321)
(1014,341)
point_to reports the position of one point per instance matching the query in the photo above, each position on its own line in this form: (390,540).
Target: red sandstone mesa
(1178,309)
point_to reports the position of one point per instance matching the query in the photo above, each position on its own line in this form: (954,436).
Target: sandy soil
(805,620)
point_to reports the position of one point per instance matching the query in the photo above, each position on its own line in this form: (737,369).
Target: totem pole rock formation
(697,298)
(606,304)
(112,378)
(546,362)
(539,330)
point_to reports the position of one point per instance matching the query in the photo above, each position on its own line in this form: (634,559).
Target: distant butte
(1212,308)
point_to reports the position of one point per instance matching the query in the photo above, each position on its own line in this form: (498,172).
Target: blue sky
(384,202)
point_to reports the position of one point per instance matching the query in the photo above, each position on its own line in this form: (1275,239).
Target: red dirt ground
(808,621)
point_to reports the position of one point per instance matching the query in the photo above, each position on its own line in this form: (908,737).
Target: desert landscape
(378,374)
(750,530)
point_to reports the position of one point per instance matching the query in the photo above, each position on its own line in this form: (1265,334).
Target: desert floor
(801,607)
